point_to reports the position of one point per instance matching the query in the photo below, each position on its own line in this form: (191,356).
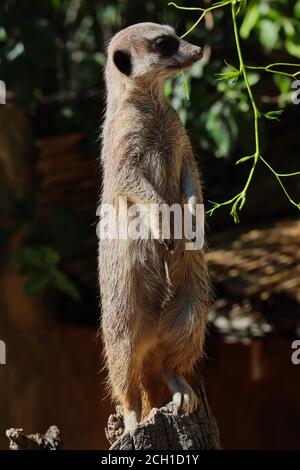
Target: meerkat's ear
(122,60)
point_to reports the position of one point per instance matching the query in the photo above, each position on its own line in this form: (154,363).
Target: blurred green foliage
(47,246)
(54,46)
(243,81)
(275,23)
(219,110)
(41,268)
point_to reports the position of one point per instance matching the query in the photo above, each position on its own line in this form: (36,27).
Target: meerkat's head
(145,52)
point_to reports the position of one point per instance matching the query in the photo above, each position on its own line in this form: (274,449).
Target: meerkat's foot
(130,421)
(184,398)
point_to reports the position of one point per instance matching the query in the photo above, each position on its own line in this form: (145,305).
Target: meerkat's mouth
(187,63)
(190,63)
(184,65)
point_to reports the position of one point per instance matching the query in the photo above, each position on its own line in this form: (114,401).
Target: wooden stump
(165,429)
(51,440)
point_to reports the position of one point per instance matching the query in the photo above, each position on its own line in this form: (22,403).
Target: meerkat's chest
(162,158)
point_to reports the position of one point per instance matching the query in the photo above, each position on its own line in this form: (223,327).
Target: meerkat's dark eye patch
(166,45)
(122,60)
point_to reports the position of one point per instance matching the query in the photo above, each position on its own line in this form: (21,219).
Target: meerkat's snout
(188,54)
(197,54)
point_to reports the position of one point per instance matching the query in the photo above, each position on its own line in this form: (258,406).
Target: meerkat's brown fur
(154,302)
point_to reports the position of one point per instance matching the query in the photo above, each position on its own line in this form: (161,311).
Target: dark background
(52,55)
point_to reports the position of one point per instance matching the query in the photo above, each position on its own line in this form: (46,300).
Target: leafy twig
(269,68)
(278,176)
(204,11)
(237,202)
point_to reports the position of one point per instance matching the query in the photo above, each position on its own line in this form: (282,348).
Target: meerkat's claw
(184,398)
(187,402)
(190,402)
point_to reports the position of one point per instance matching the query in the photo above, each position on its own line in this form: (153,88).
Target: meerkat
(153,318)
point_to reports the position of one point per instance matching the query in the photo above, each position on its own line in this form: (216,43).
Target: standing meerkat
(153,318)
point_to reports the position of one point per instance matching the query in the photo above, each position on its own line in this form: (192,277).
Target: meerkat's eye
(166,45)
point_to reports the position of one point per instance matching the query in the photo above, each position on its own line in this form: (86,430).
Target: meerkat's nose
(197,54)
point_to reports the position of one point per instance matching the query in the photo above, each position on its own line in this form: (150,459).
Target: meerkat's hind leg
(184,397)
(132,408)
(124,380)
(131,420)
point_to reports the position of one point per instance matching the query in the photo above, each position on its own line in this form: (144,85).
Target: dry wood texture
(51,440)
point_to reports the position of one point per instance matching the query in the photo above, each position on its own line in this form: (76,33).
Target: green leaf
(221,128)
(36,258)
(288,27)
(269,33)
(36,284)
(292,48)
(283,83)
(232,67)
(253,78)
(56,4)
(214,202)
(250,20)
(235,216)
(63,283)
(197,69)
(244,159)
(242,203)
(297,9)
(273,115)
(40,265)
(49,255)
(231,75)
